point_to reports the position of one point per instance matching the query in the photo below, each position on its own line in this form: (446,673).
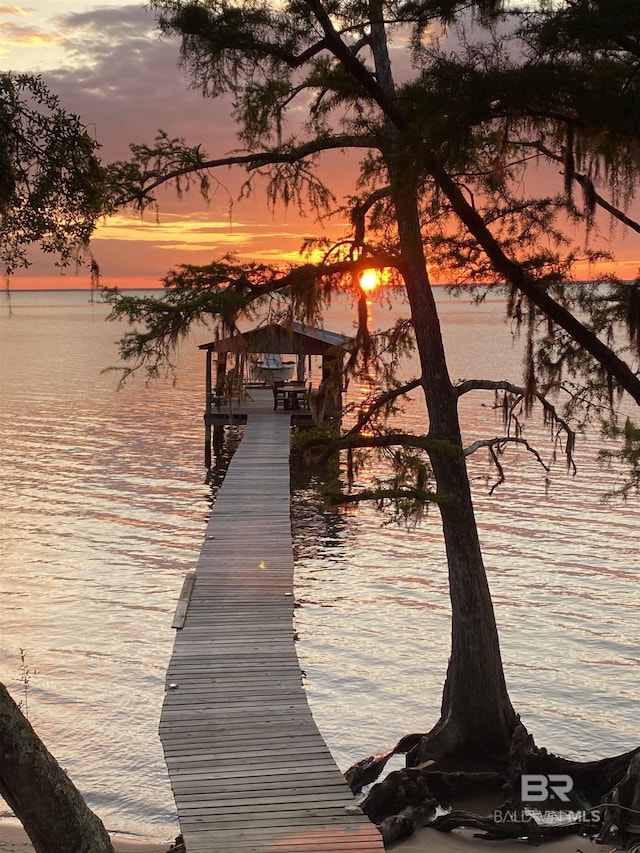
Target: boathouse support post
(221,389)
(221,372)
(332,377)
(208,411)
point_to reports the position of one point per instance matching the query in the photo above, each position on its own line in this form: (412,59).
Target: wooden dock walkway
(249,769)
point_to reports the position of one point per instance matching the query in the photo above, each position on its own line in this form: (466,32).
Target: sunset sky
(108,64)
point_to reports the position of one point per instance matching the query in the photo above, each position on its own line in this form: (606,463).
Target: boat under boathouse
(267,369)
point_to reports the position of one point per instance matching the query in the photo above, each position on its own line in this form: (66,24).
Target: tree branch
(361,209)
(519,278)
(366,79)
(221,290)
(502,385)
(386,494)
(365,416)
(588,186)
(351,441)
(499,442)
(253,161)
(549,409)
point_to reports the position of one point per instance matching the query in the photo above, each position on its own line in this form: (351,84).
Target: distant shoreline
(13,290)
(159,287)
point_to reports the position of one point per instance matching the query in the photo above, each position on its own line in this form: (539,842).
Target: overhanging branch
(549,409)
(388,397)
(365,77)
(351,441)
(589,188)
(519,278)
(495,446)
(469,385)
(381,495)
(361,209)
(293,154)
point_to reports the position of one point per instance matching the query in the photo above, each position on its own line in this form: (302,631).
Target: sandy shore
(13,839)
(463,841)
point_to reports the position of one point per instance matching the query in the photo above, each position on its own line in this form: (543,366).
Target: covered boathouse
(240,380)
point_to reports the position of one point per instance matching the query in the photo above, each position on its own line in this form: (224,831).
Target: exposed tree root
(402,825)
(622,807)
(368,769)
(401,789)
(605,794)
(592,780)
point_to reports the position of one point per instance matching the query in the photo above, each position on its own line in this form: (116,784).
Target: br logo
(537,788)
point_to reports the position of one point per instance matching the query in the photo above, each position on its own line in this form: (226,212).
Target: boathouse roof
(290,338)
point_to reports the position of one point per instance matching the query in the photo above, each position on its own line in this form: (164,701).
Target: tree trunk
(49,806)
(477,720)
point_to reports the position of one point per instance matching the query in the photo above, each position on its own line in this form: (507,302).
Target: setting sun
(369,280)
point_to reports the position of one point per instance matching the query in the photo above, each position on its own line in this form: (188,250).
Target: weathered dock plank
(183,601)
(249,769)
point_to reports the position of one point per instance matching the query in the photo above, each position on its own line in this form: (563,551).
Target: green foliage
(52,187)
(227,45)
(595,49)
(403,496)
(589,27)
(562,366)
(293,184)
(218,293)
(487,90)
(133,181)
(628,453)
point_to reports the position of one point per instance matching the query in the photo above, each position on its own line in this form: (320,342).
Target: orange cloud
(13,36)
(196,231)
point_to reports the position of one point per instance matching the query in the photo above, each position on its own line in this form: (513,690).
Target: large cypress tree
(444,145)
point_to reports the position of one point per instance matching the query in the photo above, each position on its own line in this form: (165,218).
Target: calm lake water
(104,506)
